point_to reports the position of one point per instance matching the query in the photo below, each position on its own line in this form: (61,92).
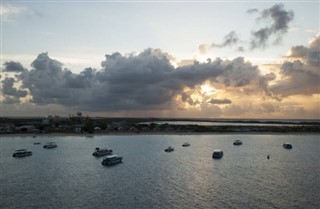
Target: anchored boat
(50,145)
(169,149)
(287,146)
(101,152)
(217,154)
(22,153)
(111,160)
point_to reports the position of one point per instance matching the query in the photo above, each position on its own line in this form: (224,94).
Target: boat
(217,154)
(287,146)
(237,142)
(101,152)
(22,153)
(111,160)
(50,145)
(36,143)
(186,144)
(169,149)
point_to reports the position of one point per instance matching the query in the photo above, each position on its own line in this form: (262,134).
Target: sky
(193,59)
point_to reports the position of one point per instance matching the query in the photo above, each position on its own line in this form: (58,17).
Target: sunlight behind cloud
(207,89)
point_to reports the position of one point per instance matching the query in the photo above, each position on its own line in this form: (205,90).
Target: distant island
(87,125)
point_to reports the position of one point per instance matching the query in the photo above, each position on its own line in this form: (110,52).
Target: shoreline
(154,134)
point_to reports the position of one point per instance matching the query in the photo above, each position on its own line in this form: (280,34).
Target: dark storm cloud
(220,101)
(301,77)
(13,67)
(9,89)
(146,81)
(280,19)
(314,52)
(11,100)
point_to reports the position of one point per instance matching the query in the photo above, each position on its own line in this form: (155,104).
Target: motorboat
(237,142)
(101,152)
(22,153)
(111,160)
(287,146)
(50,145)
(186,144)
(169,149)
(217,154)
(37,143)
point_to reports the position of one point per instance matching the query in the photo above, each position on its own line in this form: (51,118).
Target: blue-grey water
(70,177)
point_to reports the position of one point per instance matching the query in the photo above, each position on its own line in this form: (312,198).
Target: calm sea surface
(70,177)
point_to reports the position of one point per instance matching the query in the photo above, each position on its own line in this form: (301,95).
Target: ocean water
(70,177)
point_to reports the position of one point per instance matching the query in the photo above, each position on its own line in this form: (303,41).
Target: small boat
(217,154)
(169,149)
(22,153)
(186,144)
(237,142)
(50,145)
(287,146)
(36,143)
(111,160)
(101,152)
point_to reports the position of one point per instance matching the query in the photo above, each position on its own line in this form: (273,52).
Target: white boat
(101,152)
(50,145)
(22,153)
(287,146)
(186,144)
(169,149)
(217,154)
(237,142)
(111,160)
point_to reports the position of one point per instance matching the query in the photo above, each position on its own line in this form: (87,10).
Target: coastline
(154,134)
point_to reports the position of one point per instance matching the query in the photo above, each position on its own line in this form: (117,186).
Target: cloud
(241,49)
(220,101)
(10,100)
(280,19)
(147,83)
(251,11)
(298,52)
(13,67)
(7,12)
(204,48)
(9,89)
(144,81)
(276,20)
(229,40)
(300,76)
